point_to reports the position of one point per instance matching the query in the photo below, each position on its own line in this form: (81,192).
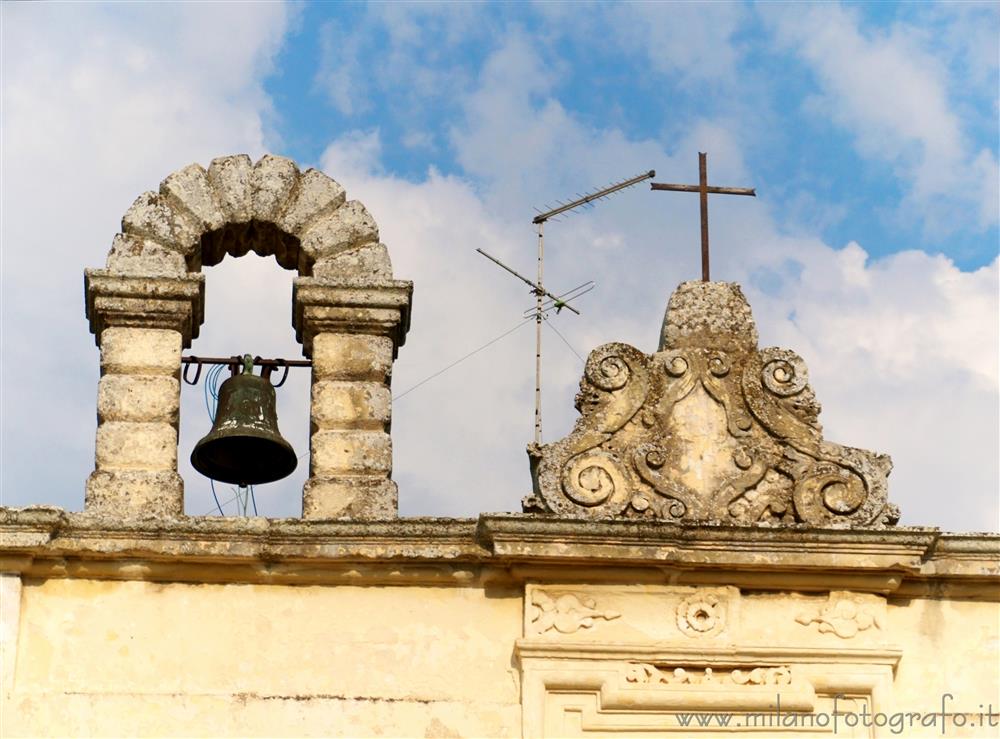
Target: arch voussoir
(346,228)
(189,189)
(274,181)
(135,255)
(316,196)
(154,217)
(230,178)
(367,262)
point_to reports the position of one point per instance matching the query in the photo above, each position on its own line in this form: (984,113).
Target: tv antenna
(546,301)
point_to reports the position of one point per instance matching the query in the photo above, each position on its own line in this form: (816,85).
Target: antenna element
(546,301)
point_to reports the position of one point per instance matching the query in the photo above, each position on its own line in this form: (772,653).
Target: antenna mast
(538,286)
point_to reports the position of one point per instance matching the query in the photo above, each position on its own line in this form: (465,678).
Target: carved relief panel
(684,615)
(615,660)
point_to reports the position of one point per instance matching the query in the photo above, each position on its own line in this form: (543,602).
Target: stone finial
(708,429)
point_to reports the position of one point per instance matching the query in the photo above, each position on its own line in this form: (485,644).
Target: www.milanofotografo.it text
(897,722)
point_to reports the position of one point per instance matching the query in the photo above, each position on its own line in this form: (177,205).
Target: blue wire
(211,380)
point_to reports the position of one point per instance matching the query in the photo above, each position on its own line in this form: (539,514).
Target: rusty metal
(197,374)
(703,190)
(235,362)
(703,207)
(244,446)
(709,190)
(585,199)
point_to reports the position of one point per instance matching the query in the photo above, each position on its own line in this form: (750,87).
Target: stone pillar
(352,330)
(141,325)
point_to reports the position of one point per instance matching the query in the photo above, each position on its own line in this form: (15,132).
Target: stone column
(352,330)
(141,325)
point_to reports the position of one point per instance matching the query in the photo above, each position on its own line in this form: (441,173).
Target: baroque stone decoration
(844,614)
(709,429)
(643,673)
(148,303)
(702,614)
(566,613)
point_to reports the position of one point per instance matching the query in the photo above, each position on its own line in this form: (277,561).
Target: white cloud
(355,151)
(340,71)
(100,103)
(968,33)
(902,350)
(692,39)
(894,95)
(397,47)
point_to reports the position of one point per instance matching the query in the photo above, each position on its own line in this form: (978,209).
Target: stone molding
(115,300)
(612,689)
(345,291)
(709,429)
(348,307)
(911,562)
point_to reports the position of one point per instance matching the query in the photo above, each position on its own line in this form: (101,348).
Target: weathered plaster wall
(950,646)
(119,658)
(133,657)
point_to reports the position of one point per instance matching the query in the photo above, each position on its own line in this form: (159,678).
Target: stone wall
(505,626)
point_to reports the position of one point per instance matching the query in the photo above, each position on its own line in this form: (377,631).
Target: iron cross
(703,189)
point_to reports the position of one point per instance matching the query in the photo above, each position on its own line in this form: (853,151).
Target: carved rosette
(702,614)
(710,429)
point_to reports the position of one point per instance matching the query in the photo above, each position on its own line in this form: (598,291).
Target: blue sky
(406,73)
(869,131)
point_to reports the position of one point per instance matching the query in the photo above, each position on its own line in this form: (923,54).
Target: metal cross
(703,189)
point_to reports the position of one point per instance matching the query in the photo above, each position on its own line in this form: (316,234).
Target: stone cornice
(164,302)
(379,308)
(511,548)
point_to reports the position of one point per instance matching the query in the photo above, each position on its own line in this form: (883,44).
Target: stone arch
(348,312)
(199,216)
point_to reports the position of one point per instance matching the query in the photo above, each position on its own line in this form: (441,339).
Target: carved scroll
(709,429)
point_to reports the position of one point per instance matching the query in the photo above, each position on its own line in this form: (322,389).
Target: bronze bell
(244,446)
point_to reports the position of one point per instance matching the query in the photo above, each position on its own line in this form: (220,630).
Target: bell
(244,446)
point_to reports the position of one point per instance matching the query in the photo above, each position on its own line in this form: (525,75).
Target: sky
(870,132)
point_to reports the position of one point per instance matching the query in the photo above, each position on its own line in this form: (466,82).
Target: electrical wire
(211,391)
(211,380)
(462,359)
(216,499)
(559,334)
(211,403)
